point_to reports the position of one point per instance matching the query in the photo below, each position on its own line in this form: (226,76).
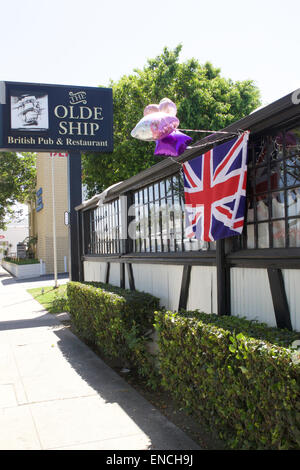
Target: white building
(16,232)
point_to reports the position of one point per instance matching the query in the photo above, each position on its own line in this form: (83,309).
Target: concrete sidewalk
(55,393)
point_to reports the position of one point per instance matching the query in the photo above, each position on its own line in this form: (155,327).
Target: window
(273,202)
(160,220)
(101,229)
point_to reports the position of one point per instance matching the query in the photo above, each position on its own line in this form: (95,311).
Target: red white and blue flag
(215,191)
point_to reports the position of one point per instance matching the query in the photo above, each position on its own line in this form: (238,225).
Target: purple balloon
(173,145)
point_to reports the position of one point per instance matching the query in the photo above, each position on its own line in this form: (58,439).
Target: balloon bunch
(160,124)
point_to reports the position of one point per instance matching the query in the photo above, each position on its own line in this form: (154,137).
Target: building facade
(17,231)
(133,234)
(41,213)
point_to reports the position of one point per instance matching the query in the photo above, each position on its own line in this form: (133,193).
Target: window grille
(160,220)
(101,229)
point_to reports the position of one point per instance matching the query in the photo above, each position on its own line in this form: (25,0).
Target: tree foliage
(204,99)
(17,181)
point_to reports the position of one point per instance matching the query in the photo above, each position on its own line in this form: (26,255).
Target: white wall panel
(174,285)
(94,271)
(291,279)
(162,281)
(114,274)
(251,295)
(203,289)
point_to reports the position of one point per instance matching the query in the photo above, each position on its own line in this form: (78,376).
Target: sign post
(58,118)
(54,224)
(74,199)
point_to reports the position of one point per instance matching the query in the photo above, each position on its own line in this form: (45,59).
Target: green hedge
(21,260)
(118,321)
(239,376)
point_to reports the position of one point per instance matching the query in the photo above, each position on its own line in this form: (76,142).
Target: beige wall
(42,222)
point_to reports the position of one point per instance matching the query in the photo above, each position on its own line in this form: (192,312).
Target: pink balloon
(155,126)
(158,121)
(151,108)
(167,106)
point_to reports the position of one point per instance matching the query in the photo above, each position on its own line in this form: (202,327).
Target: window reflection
(293,202)
(263,235)
(294,232)
(278,205)
(279,234)
(274,191)
(161,223)
(262,208)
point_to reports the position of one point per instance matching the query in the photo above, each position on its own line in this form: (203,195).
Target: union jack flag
(215,191)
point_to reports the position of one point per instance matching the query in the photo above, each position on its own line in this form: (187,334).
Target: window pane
(158,224)
(250,212)
(156,191)
(150,189)
(292,141)
(294,232)
(168,187)
(293,202)
(279,234)
(153,226)
(162,189)
(145,195)
(263,235)
(276,147)
(195,245)
(178,226)
(276,175)
(250,236)
(260,151)
(293,171)
(278,205)
(262,208)
(261,180)
(136,199)
(269,179)
(172,229)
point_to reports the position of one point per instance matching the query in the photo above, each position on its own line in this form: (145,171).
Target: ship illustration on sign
(29,111)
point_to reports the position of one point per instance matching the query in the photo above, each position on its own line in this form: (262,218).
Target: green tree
(204,99)
(17,181)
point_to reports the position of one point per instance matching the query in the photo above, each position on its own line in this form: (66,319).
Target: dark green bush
(118,321)
(240,376)
(21,260)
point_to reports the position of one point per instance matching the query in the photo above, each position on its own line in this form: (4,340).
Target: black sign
(37,117)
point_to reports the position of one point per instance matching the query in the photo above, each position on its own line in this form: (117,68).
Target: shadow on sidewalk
(28,280)
(162,434)
(44,320)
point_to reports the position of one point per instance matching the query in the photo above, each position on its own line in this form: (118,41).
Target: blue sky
(86,43)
